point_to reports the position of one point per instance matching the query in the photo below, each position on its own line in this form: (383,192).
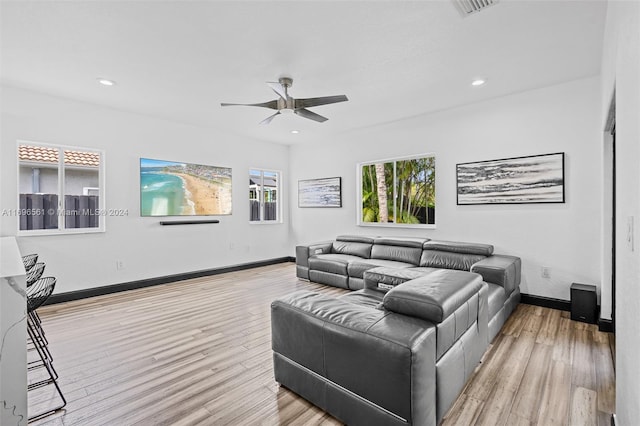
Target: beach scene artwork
(533,179)
(325,192)
(169,188)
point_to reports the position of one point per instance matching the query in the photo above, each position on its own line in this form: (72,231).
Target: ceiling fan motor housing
(286,81)
(286,106)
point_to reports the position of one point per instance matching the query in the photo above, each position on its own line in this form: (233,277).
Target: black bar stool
(37,294)
(29,260)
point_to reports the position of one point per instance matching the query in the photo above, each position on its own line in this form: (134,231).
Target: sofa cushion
(433,297)
(328,278)
(352,248)
(414,242)
(396,252)
(333,263)
(364,297)
(449,260)
(424,270)
(357,267)
(355,239)
(459,247)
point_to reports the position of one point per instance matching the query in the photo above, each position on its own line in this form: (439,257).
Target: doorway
(613,226)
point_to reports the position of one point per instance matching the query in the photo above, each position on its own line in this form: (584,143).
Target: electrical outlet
(119,265)
(545,272)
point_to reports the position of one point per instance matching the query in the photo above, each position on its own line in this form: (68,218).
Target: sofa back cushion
(453,254)
(447,260)
(459,247)
(355,239)
(401,249)
(353,245)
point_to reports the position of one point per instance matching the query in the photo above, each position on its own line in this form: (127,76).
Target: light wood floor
(199,352)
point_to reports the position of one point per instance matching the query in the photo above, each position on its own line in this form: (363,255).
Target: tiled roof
(41,154)
(80,158)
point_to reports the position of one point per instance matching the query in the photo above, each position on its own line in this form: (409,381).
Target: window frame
(279,192)
(359,167)
(61,229)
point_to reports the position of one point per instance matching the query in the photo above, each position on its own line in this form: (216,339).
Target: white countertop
(11,264)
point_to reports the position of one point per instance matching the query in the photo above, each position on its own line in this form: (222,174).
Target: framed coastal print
(519,180)
(170,188)
(325,192)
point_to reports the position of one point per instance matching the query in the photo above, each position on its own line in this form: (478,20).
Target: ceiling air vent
(470,7)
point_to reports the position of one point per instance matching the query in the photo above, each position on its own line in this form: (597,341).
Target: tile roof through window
(42,154)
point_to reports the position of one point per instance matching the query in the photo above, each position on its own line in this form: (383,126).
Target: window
(61,189)
(398,192)
(264,196)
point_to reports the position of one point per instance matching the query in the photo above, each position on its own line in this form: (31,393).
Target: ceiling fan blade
(278,88)
(324,100)
(269,118)
(271,104)
(310,115)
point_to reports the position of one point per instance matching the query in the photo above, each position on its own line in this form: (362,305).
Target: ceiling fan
(285,104)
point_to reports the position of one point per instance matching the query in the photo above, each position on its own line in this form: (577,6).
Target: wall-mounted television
(170,188)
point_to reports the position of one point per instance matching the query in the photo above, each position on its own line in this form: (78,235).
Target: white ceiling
(179,59)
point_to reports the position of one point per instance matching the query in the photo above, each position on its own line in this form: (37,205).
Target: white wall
(564,237)
(147,249)
(621,72)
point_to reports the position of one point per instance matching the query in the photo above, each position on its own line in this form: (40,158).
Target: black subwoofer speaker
(584,303)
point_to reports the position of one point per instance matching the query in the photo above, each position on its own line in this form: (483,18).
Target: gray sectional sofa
(398,349)
(345,261)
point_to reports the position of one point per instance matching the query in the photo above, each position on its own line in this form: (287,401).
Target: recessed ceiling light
(478,82)
(106,82)
(295,132)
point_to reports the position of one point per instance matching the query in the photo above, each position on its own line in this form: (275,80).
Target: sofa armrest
(303,252)
(433,297)
(500,269)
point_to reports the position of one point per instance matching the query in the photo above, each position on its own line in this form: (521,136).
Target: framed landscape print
(519,180)
(325,192)
(398,192)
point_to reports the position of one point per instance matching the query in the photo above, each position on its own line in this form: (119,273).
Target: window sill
(398,225)
(43,232)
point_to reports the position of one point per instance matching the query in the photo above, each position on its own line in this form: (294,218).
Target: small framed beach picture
(519,180)
(170,188)
(325,192)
